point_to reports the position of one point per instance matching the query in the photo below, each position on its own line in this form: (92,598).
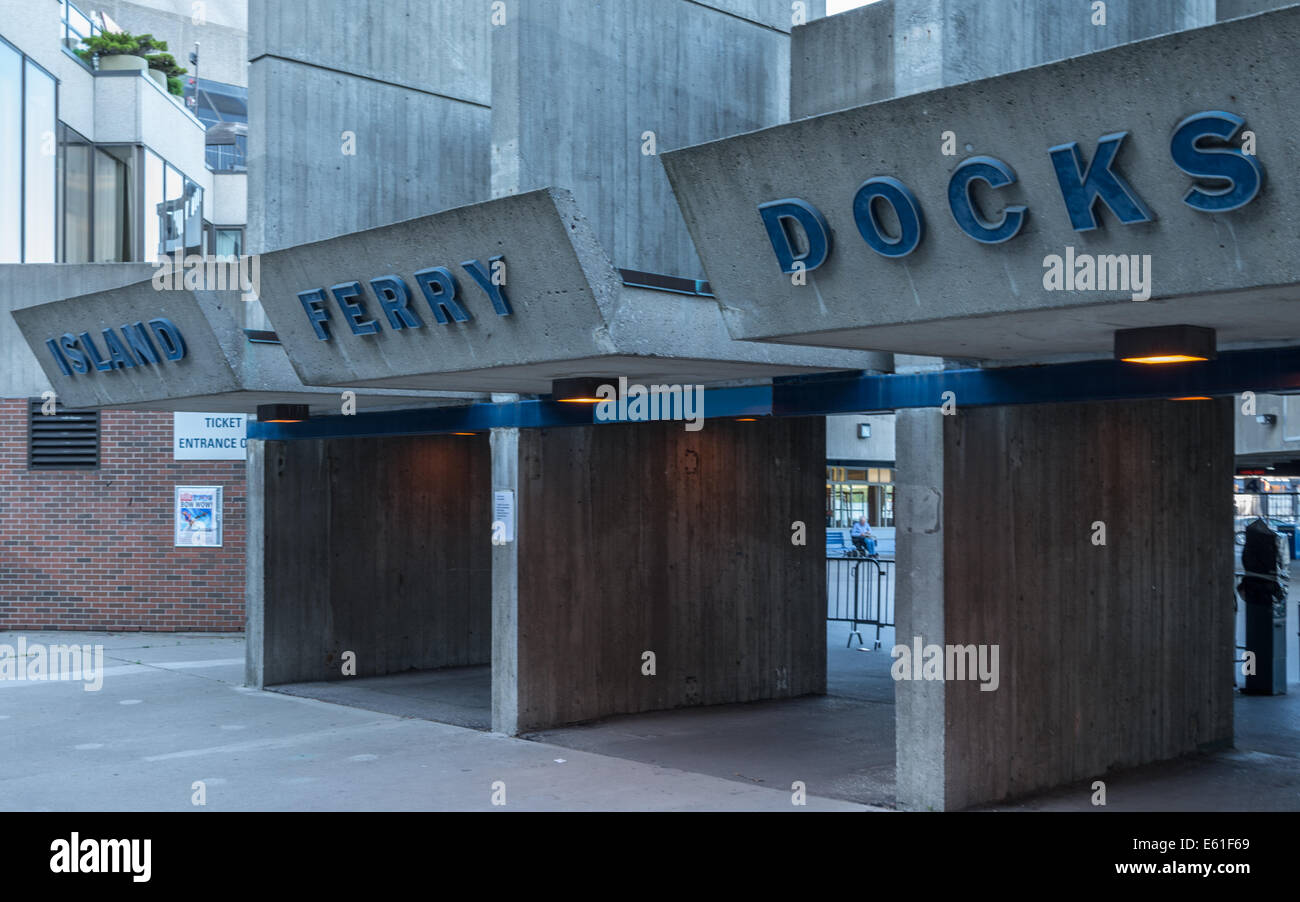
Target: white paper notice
(503,517)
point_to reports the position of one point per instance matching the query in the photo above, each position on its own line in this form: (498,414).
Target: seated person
(863,540)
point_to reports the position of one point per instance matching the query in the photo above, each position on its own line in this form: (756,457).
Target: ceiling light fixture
(283,413)
(581,391)
(1165,344)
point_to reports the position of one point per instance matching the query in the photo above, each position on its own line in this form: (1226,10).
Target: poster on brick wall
(209,436)
(198,516)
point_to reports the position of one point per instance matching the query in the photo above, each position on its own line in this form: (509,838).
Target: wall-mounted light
(1266,419)
(579,391)
(864,430)
(1165,344)
(282,413)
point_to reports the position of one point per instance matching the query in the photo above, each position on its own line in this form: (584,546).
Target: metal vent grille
(65,440)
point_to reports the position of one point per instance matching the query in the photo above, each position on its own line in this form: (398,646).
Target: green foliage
(175,85)
(125,43)
(105,44)
(166,63)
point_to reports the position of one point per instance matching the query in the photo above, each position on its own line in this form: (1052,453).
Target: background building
(101,171)
(541,130)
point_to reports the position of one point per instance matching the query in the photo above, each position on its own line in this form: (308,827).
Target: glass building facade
(222,108)
(66,199)
(28,159)
(855,491)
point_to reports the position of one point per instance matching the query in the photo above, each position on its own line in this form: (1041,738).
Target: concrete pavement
(172,713)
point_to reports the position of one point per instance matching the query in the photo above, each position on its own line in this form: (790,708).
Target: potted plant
(163,69)
(143,53)
(114,51)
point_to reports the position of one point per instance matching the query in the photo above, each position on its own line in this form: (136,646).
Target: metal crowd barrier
(860,592)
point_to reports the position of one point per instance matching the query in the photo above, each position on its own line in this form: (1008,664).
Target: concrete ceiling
(1262,317)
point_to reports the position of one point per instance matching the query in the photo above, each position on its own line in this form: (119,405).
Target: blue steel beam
(1264,370)
(428,421)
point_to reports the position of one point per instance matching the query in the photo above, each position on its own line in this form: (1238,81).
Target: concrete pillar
(505,592)
(254,566)
(645,537)
(919,603)
(375,546)
(1091,543)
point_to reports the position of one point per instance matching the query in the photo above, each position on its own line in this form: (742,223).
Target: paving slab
(154,730)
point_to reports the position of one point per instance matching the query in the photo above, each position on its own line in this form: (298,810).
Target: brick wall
(92,549)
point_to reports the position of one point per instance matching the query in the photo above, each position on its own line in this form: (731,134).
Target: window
(192,217)
(40,149)
(97,199)
(75,177)
(173,207)
(64,440)
(227,243)
(153,205)
(28,156)
(855,492)
(115,204)
(172,219)
(223,109)
(11,161)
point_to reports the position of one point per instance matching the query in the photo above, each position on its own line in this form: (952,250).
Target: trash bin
(1264,588)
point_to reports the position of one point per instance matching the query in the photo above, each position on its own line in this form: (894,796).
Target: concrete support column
(1091,545)
(255,566)
(653,567)
(919,603)
(505,592)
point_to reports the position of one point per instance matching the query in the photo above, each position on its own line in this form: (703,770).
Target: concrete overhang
(955,297)
(217,369)
(527,294)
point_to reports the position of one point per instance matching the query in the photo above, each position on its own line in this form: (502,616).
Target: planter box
(124,61)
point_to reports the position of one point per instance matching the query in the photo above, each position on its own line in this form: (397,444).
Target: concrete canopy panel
(956,297)
(220,371)
(570,314)
(556,281)
(205,367)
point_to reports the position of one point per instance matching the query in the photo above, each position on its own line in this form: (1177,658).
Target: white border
(217,515)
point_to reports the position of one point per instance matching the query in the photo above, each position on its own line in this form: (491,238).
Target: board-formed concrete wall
(1110,655)
(576,85)
(646,537)
(896,47)
(408,80)
(1232,9)
(377,546)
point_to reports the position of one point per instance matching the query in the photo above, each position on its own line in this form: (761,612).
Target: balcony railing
(77,26)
